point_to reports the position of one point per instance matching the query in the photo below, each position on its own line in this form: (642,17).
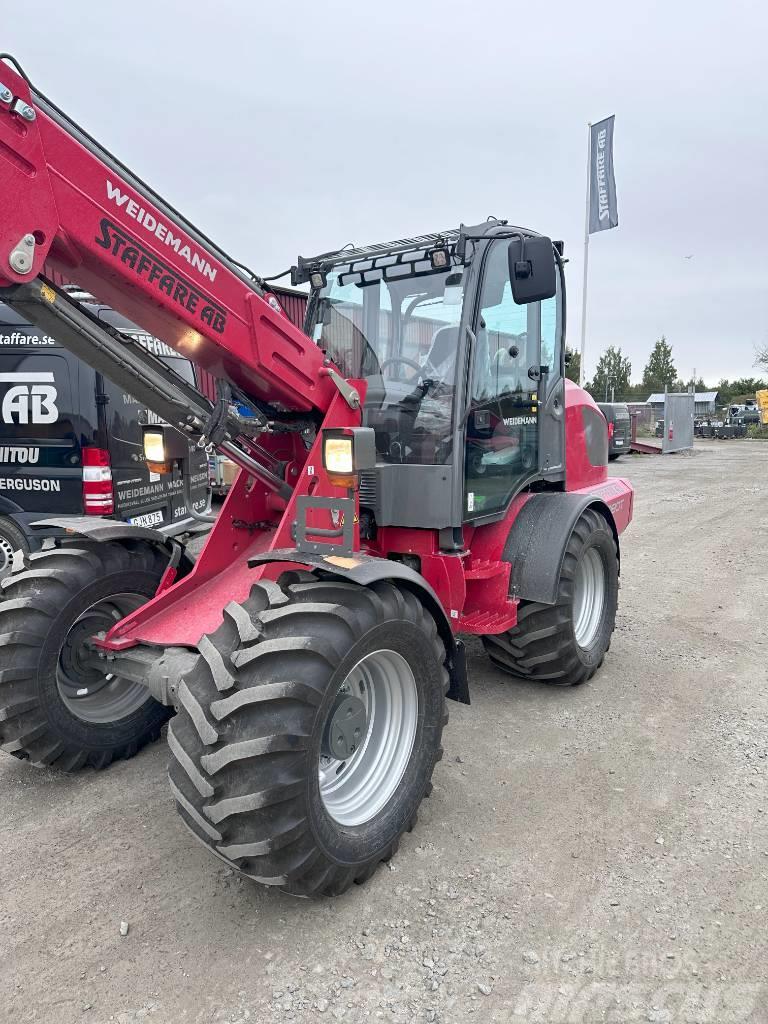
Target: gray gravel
(590,855)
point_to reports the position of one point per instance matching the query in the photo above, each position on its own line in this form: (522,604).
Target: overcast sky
(291,128)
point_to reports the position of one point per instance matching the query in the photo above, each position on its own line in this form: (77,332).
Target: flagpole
(586,262)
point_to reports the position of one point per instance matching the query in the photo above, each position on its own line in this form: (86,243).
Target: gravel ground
(587,855)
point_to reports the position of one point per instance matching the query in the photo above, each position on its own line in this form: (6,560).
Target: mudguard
(365,570)
(538,538)
(99,530)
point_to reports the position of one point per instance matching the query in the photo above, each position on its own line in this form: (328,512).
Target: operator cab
(461,353)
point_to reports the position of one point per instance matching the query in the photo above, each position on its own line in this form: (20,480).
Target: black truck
(619,428)
(71,442)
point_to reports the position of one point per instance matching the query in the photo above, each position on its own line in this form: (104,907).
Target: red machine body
(90,220)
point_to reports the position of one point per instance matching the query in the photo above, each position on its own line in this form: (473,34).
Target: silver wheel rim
(356,790)
(6,556)
(97,697)
(588,597)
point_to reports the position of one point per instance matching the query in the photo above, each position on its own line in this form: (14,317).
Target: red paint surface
(579,471)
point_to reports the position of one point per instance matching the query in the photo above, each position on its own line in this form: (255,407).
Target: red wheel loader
(413,467)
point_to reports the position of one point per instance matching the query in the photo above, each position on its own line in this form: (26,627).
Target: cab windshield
(398,328)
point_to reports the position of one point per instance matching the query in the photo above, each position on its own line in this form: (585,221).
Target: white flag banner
(603,209)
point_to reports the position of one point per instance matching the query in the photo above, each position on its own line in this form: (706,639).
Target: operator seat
(440,363)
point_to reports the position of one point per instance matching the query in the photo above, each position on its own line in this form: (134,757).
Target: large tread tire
(245,741)
(40,604)
(542,646)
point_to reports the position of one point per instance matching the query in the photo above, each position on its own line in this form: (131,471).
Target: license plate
(617,443)
(148,519)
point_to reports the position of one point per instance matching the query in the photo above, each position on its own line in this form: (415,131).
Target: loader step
(488,584)
(486,569)
(490,623)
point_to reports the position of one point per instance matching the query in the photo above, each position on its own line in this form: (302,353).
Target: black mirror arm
(541,390)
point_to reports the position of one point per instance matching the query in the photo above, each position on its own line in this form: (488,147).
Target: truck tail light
(98,496)
(610,431)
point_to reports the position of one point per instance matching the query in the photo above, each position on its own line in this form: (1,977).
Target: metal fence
(678,422)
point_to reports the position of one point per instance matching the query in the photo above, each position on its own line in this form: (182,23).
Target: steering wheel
(399,359)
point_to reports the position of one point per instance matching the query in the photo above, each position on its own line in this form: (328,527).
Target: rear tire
(53,709)
(250,765)
(564,644)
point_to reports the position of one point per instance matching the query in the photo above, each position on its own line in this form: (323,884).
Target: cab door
(515,422)
(501,448)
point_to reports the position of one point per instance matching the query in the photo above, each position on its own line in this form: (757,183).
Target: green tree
(573,366)
(636,393)
(611,376)
(745,387)
(660,370)
(735,391)
(762,357)
(684,385)
(724,391)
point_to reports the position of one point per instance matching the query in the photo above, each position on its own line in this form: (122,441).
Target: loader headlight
(154,446)
(338,455)
(346,451)
(156,454)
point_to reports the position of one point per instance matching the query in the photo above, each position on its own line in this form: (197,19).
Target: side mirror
(532,272)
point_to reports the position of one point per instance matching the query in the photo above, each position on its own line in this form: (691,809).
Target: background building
(705,404)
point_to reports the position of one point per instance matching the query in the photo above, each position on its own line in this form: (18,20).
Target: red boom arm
(101,226)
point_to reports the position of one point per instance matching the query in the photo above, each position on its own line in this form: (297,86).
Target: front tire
(282,706)
(564,644)
(54,708)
